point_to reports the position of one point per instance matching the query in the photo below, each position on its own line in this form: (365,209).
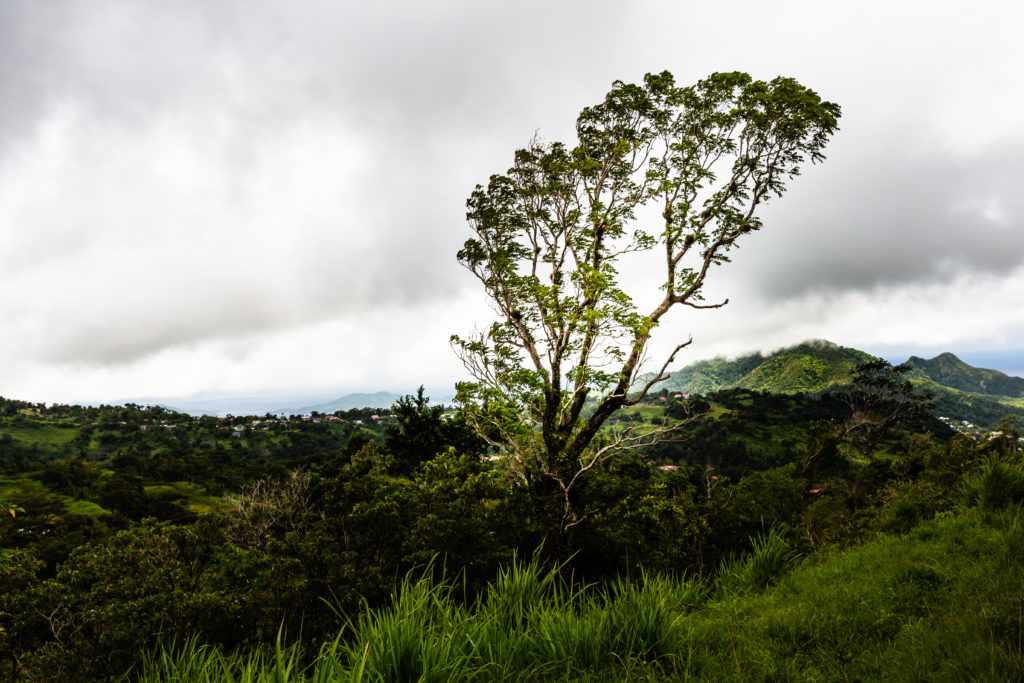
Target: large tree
(880,402)
(568,346)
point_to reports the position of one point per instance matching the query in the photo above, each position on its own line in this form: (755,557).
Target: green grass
(85,507)
(14,487)
(717,411)
(176,489)
(643,410)
(193,496)
(41,433)
(942,602)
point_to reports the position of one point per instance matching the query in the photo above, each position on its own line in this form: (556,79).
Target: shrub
(771,556)
(1000,483)
(904,516)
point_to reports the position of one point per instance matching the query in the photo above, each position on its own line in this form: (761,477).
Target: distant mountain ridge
(948,370)
(380,399)
(960,391)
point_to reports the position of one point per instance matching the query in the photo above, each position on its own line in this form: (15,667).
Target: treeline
(312,522)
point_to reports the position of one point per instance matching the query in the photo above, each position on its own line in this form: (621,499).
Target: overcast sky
(221,197)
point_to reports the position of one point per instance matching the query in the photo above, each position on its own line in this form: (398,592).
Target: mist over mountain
(808,367)
(380,399)
(812,366)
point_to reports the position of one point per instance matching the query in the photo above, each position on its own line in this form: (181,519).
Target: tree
(881,401)
(268,505)
(421,431)
(550,233)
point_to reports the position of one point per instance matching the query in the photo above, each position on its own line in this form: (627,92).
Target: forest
(766,542)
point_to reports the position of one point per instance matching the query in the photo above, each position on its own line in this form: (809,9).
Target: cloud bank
(239,196)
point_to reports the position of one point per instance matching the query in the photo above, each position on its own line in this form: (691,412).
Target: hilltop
(948,370)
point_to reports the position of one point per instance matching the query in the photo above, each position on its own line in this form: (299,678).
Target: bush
(771,556)
(904,516)
(1000,483)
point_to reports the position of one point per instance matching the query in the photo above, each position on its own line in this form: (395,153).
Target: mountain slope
(809,367)
(948,370)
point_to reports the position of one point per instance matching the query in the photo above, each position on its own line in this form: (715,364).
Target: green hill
(948,370)
(810,367)
(984,410)
(961,391)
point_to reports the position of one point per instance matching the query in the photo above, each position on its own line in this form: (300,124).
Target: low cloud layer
(921,218)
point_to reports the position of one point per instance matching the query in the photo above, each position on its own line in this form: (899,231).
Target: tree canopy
(569,343)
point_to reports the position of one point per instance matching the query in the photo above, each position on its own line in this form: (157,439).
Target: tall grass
(194,662)
(420,637)
(944,601)
(1000,483)
(769,559)
(531,624)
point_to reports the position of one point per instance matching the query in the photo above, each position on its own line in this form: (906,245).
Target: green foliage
(549,233)
(904,516)
(193,662)
(984,410)
(885,611)
(621,594)
(1000,483)
(11,508)
(529,625)
(419,432)
(881,401)
(914,588)
(770,557)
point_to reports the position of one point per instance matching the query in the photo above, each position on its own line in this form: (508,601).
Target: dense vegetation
(978,395)
(948,370)
(763,545)
(813,366)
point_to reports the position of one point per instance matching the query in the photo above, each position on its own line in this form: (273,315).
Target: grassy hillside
(759,545)
(984,410)
(810,367)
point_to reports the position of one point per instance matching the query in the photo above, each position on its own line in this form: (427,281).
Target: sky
(237,198)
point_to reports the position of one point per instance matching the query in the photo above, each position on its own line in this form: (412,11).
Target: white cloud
(966,312)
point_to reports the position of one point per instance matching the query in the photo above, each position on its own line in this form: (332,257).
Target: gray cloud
(176,131)
(174,175)
(870,222)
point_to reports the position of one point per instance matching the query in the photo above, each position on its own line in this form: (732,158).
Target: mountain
(948,370)
(960,391)
(381,399)
(809,367)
